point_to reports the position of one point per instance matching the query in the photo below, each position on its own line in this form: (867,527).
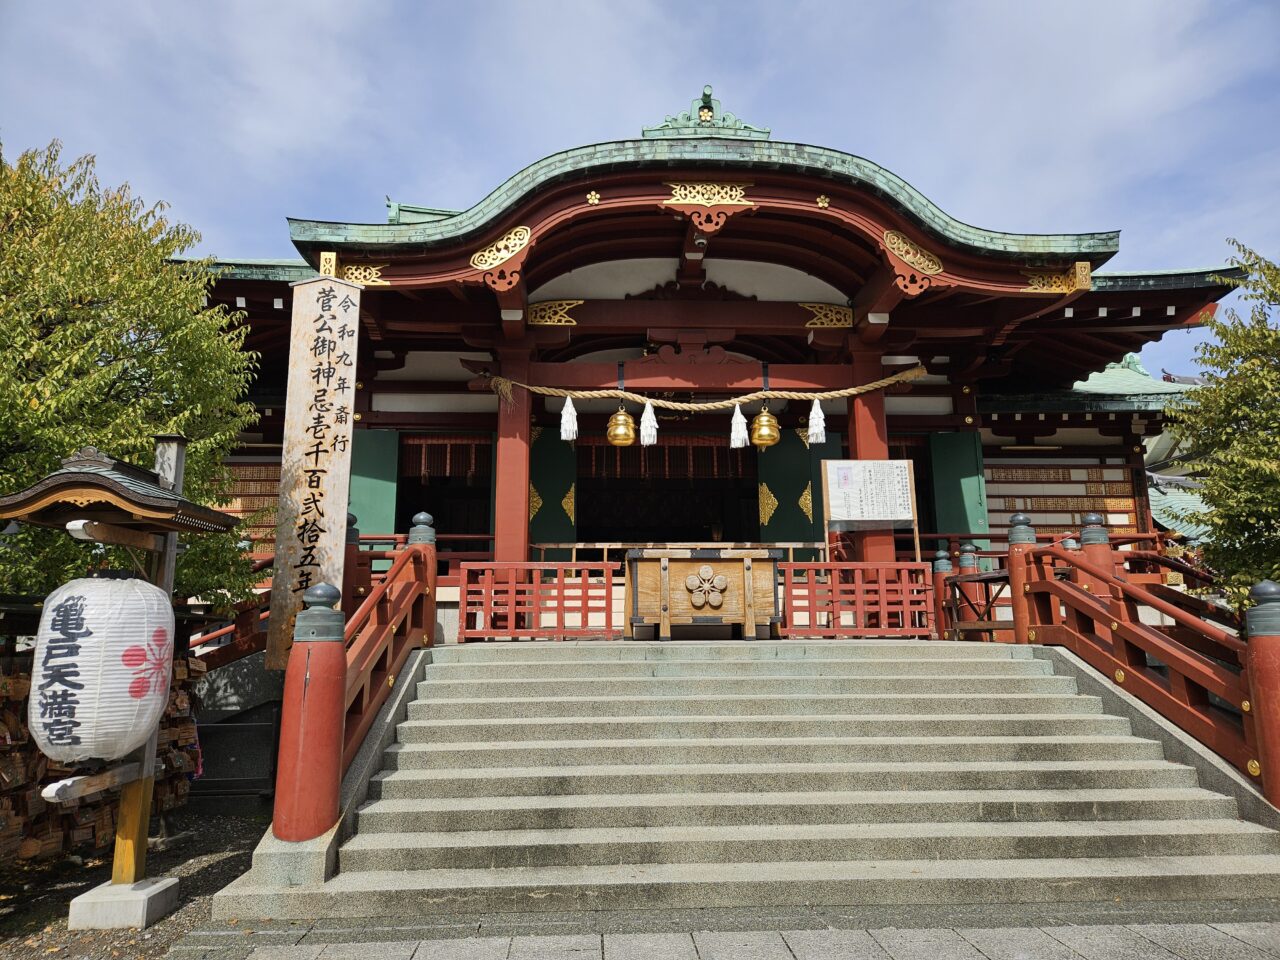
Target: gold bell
(764,429)
(622,429)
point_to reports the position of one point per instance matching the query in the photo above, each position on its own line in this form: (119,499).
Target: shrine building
(704,261)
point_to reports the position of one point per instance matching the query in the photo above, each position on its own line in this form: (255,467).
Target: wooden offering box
(709,585)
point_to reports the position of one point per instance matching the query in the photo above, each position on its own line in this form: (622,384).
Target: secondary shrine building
(705,261)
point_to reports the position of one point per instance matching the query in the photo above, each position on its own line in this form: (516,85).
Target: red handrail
(397,616)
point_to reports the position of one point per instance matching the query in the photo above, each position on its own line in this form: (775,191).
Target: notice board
(869,495)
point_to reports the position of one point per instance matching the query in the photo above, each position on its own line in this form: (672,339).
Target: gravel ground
(206,852)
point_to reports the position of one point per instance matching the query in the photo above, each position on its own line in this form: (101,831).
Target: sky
(1157,118)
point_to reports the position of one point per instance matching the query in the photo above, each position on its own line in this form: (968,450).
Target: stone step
(763,778)
(697,885)
(788,650)
(512,730)
(707,686)
(429,707)
(721,809)
(567,669)
(759,844)
(834,749)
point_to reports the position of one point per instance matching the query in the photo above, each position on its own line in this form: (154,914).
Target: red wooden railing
(398,615)
(1192,671)
(552,601)
(844,600)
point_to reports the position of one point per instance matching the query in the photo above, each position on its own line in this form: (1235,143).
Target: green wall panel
(959,488)
(831,449)
(375,462)
(784,471)
(553,468)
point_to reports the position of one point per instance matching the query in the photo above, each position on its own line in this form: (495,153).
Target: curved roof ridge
(732,154)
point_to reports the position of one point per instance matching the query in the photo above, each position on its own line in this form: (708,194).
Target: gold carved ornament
(535,502)
(803,434)
(368,274)
(569,505)
(768,504)
(706,587)
(703,194)
(911,253)
(502,249)
(1076,280)
(806,501)
(328,263)
(828,315)
(823,201)
(552,313)
(593,198)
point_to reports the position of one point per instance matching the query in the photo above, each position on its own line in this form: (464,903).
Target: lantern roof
(94,486)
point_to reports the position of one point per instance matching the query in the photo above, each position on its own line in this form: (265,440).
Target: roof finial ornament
(704,118)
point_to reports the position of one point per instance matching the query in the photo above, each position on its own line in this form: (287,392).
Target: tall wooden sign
(315,469)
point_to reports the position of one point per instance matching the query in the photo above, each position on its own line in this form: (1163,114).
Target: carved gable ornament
(705,118)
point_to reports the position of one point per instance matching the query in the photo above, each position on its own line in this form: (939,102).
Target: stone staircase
(543,777)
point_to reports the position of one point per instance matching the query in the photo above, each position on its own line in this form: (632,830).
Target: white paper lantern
(100,678)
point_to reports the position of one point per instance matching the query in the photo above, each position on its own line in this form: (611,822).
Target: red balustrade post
(1262,622)
(1022,538)
(1096,547)
(309,769)
(941,570)
(970,591)
(357,570)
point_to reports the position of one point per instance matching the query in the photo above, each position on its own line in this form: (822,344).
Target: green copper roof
(1123,387)
(717,152)
(286,270)
(1128,378)
(1170,502)
(1154,280)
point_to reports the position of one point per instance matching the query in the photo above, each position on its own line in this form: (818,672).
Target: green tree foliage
(106,340)
(1230,428)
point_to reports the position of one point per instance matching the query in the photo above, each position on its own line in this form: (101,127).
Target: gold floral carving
(1078,279)
(369,274)
(803,434)
(911,253)
(534,434)
(709,194)
(824,201)
(552,313)
(768,504)
(828,315)
(593,198)
(568,504)
(329,263)
(806,501)
(535,502)
(706,587)
(502,250)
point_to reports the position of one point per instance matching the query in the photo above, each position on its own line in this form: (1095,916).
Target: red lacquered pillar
(1263,624)
(309,770)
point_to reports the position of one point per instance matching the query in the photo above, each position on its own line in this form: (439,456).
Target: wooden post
(511,488)
(1022,538)
(970,592)
(941,570)
(869,440)
(312,718)
(129,863)
(1263,624)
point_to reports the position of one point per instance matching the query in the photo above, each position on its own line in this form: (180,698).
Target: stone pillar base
(117,906)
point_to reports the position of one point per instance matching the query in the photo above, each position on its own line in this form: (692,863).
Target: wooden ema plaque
(715,586)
